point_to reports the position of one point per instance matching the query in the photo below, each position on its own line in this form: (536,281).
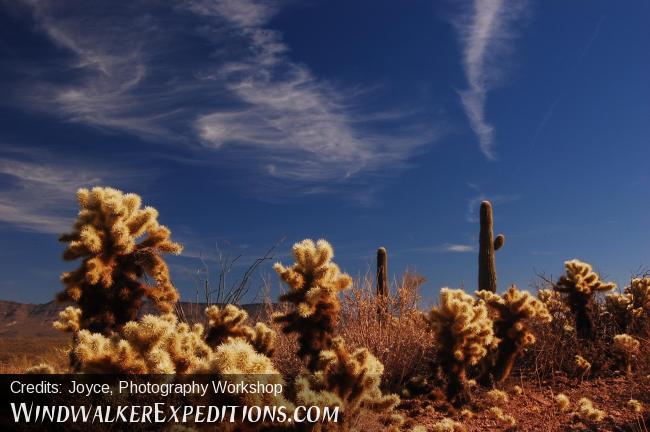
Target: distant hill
(35,320)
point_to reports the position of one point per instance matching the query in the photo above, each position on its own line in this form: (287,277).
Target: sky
(368,123)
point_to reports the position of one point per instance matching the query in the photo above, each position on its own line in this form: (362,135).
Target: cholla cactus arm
(350,381)
(464,333)
(515,312)
(155,344)
(108,286)
(587,412)
(69,320)
(626,348)
(229,322)
(633,306)
(314,283)
(579,286)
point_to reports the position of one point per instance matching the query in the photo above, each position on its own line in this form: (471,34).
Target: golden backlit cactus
(314,283)
(464,333)
(632,306)
(155,344)
(109,284)
(515,311)
(583,366)
(635,405)
(349,380)
(626,349)
(505,419)
(237,360)
(579,286)
(69,320)
(587,412)
(229,322)
(448,425)
(562,402)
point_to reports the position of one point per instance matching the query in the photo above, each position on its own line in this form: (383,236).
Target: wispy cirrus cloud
(474,202)
(38,190)
(236,92)
(486,31)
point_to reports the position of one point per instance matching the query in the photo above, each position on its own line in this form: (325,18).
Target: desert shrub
(464,334)
(556,341)
(514,311)
(396,335)
(109,284)
(579,286)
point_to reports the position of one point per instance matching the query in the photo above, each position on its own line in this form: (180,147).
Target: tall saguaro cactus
(382,272)
(488,245)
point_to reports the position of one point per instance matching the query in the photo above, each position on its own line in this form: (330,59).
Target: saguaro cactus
(488,245)
(382,272)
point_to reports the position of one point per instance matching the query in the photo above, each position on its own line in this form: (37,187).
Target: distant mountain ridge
(35,320)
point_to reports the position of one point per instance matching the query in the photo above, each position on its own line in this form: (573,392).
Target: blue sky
(369,123)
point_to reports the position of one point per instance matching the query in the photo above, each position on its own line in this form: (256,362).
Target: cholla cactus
(553,302)
(348,380)
(496,397)
(314,283)
(108,286)
(505,419)
(40,369)
(448,425)
(562,402)
(631,306)
(237,358)
(69,320)
(338,377)
(635,405)
(579,286)
(515,311)
(464,333)
(155,344)
(587,412)
(583,367)
(229,322)
(626,348)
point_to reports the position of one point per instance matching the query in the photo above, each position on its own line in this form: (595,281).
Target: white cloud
(486,33)
(38,194)
(442,248)
(242,94)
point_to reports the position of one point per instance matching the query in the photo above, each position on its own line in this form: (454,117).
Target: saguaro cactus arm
(488,245)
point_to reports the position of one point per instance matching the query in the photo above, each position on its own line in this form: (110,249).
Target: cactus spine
(382,272)
(487,272)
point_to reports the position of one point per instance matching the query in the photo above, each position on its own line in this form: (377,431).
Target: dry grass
(392,327)
(18,353)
